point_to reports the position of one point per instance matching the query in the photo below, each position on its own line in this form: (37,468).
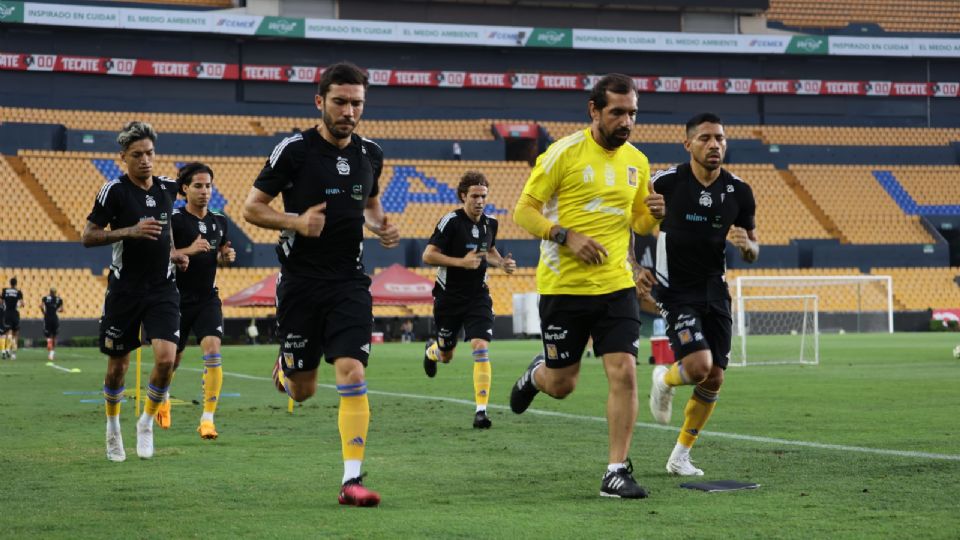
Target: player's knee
(446,356)
(301,393)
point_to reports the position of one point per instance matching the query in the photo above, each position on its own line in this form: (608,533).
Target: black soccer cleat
(481,420)
(429,366)
(621,485)
(524,391)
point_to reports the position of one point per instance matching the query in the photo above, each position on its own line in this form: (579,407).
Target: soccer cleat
(481,420)
(163,415)
(144,440)
(354,494)
(278,376)
(681,466)
(115,451)
(621,485)
(207,430)
(524,390)
(429,366)
(661,396)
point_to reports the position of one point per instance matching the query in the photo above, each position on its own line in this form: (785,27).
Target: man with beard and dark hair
(707,206)
(583,198)
(329,178)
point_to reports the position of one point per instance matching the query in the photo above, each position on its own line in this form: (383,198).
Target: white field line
(720,434)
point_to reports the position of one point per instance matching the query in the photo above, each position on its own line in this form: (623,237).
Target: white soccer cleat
(681,466)
(115,450)
(145,439)
(661,396)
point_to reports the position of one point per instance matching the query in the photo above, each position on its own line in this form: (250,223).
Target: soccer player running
(51,306)
(704,202)
(12,302)
(583,197)
(462,246)
(140,289)
(200,234)
(329,177)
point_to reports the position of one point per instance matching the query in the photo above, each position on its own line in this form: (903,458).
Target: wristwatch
(560,236)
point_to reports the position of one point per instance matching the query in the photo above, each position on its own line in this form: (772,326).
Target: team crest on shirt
(343,166)
(203,227)
(706,199)
(632,176)
(475,232)
(150,202)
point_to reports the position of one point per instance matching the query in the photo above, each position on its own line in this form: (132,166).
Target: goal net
(775,315)
(775,330)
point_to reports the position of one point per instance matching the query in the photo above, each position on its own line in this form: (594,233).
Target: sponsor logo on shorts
(551,351)
(294,341)
(685,336)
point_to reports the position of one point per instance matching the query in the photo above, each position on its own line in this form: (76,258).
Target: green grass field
(862,446)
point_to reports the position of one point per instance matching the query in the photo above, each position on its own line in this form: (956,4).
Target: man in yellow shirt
(583,198)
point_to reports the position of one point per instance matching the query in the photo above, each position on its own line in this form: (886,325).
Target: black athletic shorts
(568,321)
(11,320)
(51,327)
(474,316)
(328,319)
(696,326)
(205,318)
(157,309)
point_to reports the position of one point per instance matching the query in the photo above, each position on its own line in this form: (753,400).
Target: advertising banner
(515,80)
(161,19)
(11,12)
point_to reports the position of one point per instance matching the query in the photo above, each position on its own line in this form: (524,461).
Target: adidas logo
(366,348)
(356,441)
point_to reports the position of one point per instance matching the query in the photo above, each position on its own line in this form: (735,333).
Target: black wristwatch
(560,236)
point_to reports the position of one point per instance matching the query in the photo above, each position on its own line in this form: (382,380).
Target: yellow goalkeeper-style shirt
(596,192)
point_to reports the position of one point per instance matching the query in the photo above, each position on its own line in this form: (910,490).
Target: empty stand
(923,288)
(940,16)
(856,202)
(858,136)
(21,215)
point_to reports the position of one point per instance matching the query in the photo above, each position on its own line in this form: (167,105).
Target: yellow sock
(433,352)
(112,397)
(3,343)
(353,419)
(155,397)
(482,374)
(696,414)
(212,382)
(675,376)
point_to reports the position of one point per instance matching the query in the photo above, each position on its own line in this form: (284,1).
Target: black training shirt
(692,242)
(198,283)
(455,236)
(51,305)
(308,170)
(11,299)
(137,264)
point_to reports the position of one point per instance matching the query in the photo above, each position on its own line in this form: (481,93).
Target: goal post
(783,309)
(775,329)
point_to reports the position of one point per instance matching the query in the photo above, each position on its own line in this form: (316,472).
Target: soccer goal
(778,319)
(775,329)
